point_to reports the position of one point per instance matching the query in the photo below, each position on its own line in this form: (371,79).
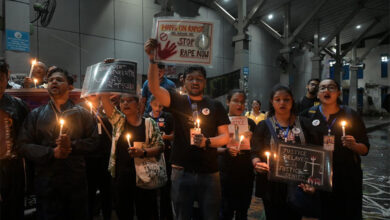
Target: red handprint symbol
(168,50)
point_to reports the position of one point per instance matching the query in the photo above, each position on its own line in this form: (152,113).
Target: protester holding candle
(195,175)
(128,128)
(323,126)
(60,180)
(37,76)
(282,125)
(235,166)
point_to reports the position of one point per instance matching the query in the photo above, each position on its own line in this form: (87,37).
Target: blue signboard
(245,70)
(17,40)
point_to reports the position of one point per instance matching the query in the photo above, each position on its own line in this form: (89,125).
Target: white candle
(343,123)
(128,136)
(62,122)
(241,138)
(90,106)
(33,62)
(267,154)
(35,83)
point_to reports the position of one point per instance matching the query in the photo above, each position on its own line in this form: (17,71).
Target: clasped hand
(63,148)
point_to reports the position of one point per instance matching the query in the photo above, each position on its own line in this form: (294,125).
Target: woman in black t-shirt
(125,121)
(323,123)
(286,126)
(235,165)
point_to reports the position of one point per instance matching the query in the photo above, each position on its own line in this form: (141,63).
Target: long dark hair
(276,88)
(234,91)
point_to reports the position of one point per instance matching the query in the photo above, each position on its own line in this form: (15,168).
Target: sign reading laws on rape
(302,164)
(119,76)
(184,41)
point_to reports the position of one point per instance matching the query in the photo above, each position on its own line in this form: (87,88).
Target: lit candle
(198,123)
(35,83)
(343,123)
(90,106)
(267,153)
(241,138)
(128,136)
(62,122)
(33,62)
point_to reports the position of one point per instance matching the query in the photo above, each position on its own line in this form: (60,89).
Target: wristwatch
(145,153)
(208,142)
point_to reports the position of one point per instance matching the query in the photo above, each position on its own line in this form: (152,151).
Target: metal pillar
(241,43)
(316,59)
(285,77)
(339,61)
(353,83)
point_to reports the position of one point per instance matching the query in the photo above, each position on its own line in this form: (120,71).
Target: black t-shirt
(125,163)
(346,163)
(212,114)
(306,103)
(165,123)
(227,162)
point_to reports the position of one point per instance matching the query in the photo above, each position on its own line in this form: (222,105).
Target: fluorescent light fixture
(334,50)
(323,38)
(226,1)
(270,16)
(358,26)
(384,59)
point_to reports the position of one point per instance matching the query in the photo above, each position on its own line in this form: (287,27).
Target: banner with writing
(302,164)
(184,41)
(116,77)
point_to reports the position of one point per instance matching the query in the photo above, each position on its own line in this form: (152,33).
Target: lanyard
(285,131)
(331,124)
(194,108)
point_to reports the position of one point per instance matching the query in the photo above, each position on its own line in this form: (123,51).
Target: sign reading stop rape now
(184,41)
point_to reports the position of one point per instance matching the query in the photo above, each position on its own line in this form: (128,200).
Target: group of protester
(206,179)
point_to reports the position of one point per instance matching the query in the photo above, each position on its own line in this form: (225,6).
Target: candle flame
(90,104)
(62,121)
(128,136)
(241,138)
(267,153)
(35,80)
(198,122)
(343,123)
(274,155)
(33,62)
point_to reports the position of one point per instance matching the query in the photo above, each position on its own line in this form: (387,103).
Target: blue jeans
(188,187)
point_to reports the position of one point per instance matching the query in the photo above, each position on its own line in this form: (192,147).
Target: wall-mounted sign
(17,40)
(184,41)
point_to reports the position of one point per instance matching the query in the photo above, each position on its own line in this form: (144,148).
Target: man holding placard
(203,122)
(58,150)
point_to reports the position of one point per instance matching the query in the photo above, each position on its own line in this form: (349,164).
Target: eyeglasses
(330,88)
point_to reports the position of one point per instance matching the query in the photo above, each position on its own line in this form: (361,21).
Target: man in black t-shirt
(195,174)
(310,99)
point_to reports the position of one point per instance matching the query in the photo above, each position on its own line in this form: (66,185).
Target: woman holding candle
(235,166)
(128,129)
(323,126)
(285,126)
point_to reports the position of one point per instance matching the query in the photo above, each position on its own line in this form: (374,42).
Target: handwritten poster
(302,164)
(238,126)
(184,41)
(117,77)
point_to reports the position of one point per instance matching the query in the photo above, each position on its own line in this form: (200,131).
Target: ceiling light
(270,16)
(334,50)
(226,1)
(358,26)
(323,38)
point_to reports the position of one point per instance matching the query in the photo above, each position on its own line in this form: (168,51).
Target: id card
(193,132)
(329,142)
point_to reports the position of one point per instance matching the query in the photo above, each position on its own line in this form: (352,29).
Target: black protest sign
(116,77)
(302,164)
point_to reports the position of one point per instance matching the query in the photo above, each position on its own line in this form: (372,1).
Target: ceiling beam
(329,52)
(253,11)
(337,31)
(270,30)
(360,38)
(306,22)
(232,20)
(378,42)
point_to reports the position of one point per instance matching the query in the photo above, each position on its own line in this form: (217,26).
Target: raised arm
(160,93)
